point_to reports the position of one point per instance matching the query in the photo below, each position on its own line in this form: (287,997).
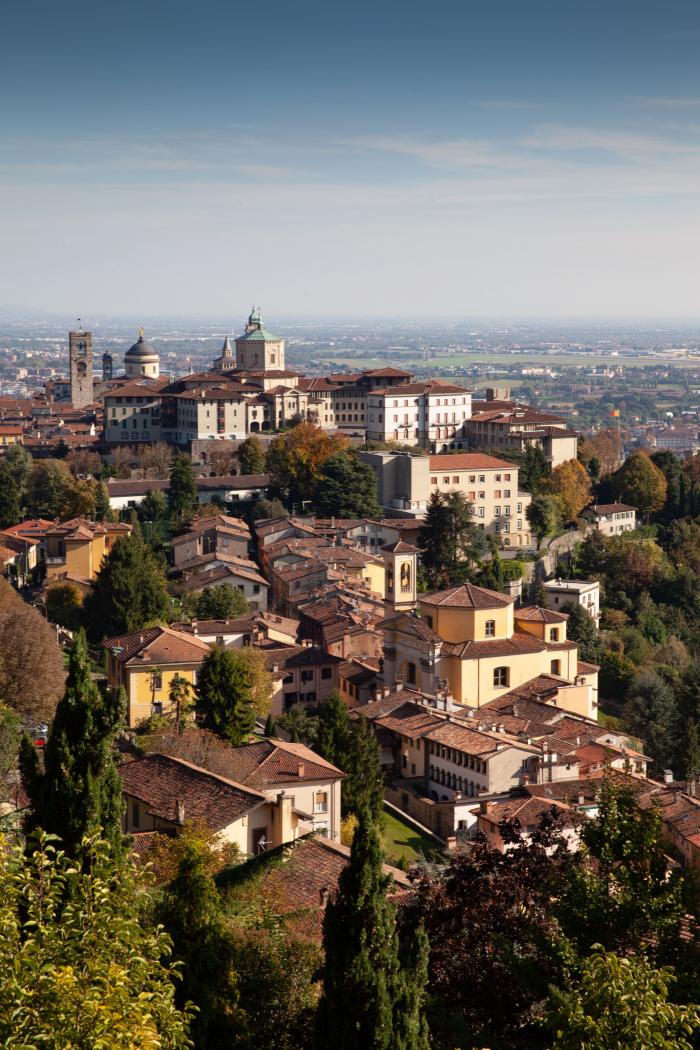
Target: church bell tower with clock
(80,350)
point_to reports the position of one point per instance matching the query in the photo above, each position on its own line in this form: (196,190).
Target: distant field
(513,360)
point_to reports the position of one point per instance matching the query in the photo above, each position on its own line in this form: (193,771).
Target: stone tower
(80,352)
(107,366)
(400,565)
(257,350)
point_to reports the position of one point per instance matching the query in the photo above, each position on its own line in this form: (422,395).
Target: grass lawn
(401,841)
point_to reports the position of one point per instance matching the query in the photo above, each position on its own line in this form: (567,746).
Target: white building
(611,518)
(430,414)
(585,593)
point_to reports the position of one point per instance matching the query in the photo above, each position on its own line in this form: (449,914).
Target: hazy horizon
(521,163)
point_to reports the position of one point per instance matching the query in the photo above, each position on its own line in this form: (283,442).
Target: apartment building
(491,486)
(430,414)
(132,413)
(511,425)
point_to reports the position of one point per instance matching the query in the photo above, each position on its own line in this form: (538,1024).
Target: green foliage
(182,491)
(270,726)
(640,483)
(77,791)
(190,910)
(251,456)
(129,592)
(10,513)
(449,540)
(369,999)
(352,747)
(153,507)
(10,736)
(225,694)
(302,726)
(620,1003)
(19,462)
(616,674)
(544,515)
(347,488)
(268,508)
(220,603)
(651,714)
(534,469)
(295,460)
(581,628)
(64,605)
(50,486)
(103,511)
(77,966)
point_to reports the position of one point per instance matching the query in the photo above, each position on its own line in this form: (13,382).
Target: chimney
(398,685)
(325,895)
(692,786)
(668,776)
(581,800)
(300,770)
(180,812)
(285,829)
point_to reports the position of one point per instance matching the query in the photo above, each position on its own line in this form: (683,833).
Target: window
(326,672)
(506,511)
(554,634)
(496,511)
(455,481)
(482,479)
(482,512)
(500,676)
(472,478)
(555,667)
(497,477)
(433,481)
(320,802)
(135,815)
(497,494)
(446,480)
(490,629)
(156,681)
(506,477)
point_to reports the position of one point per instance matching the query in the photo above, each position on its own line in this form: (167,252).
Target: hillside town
(249,618)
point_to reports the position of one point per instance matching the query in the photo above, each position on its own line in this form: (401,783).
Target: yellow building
(475,644)
(76,548)
(146,662)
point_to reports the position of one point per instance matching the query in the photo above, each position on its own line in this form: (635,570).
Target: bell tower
(80,353)
(400,565)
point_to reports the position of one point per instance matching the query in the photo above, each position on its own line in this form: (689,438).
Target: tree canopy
(449,540)
(347,488)
(129,592)
(251,456)
(295,460)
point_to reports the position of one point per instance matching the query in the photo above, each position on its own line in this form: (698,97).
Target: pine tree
(368,998)
(449,539)
(225,692)
(182,493)
(10,513)
(129,592)
(347,488)
(78,790)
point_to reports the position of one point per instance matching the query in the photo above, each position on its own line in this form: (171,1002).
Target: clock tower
(80,351)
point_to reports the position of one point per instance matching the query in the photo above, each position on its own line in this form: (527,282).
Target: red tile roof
(468,596)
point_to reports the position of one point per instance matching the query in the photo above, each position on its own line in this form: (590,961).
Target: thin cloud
(668,103)
(621,143)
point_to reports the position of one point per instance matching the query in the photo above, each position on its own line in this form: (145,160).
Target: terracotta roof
(409,623)
(467,596)
(161,781)
(200,580)
(607,508)
(240,625)
(297,889)
(268,762)
(400,547)
(536,614)
(157,646)
(409,719)
(520,643)
(527,811)
(583,667)
(470,461)
(474,741)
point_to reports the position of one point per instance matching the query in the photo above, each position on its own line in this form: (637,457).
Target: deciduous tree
(544,515)
(10,512)
(220,603)
(251,456)
(50,486)
(87,974)
(31,664)
(571,483)
(295,460)
(640,483)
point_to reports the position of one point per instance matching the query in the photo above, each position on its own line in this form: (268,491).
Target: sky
(450,158)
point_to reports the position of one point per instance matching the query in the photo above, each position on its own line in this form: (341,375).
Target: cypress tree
(369,999)
(363,787)
(10,513)
(129,592)
(182,493)
(78,790)
(334,731)
(270,726)
(191,912)
(102,508)
(225,692)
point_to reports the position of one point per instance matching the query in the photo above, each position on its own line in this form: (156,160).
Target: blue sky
(446,158)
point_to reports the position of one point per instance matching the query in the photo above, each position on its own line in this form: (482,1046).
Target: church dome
(141,351)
